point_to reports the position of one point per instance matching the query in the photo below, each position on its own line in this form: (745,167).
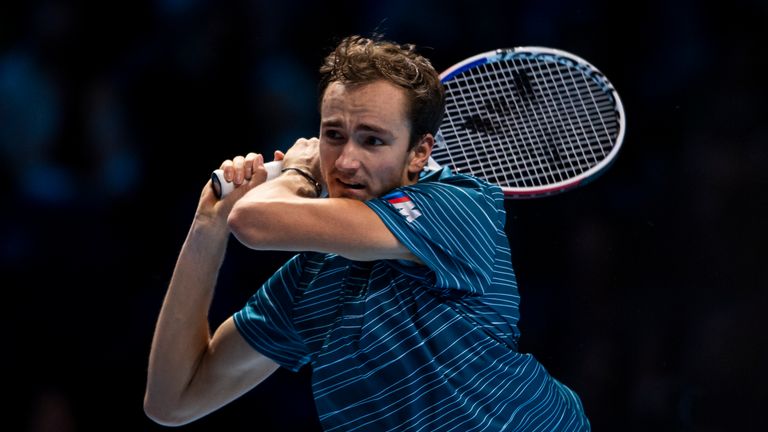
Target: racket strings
(526,122)
(546,127)
(570,140)
(589,131)
(492,102)
(474,97)
(541,170)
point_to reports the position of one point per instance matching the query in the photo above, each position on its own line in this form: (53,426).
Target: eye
(373,141)
(333,134)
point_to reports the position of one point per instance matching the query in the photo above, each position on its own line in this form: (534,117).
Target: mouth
(351,189)
(350,185)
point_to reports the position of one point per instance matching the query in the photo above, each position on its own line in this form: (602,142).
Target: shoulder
(446,182)
(444,195)
(454,193)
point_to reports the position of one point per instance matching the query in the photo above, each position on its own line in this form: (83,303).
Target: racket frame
(568,59)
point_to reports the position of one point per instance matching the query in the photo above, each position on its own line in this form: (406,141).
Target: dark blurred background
(644,291)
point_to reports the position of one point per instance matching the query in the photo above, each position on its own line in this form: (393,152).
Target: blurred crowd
(643,291)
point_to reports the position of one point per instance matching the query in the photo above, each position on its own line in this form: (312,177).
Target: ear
(419,154)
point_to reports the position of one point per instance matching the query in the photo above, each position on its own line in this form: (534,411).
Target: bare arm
(192,373)
(275,217)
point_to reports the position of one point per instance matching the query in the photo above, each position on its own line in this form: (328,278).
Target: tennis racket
(536,121)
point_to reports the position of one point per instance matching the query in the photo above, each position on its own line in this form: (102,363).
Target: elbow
(248,225)
(162,414)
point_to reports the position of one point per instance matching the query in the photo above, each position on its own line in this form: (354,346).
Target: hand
(245,173)
(305,154)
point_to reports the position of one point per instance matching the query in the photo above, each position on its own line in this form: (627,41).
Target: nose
(349,157)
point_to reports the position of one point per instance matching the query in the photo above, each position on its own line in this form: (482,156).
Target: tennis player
(402,296)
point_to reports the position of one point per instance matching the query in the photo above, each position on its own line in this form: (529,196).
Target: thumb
(279,155)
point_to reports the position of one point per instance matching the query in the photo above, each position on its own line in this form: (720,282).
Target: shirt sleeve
(450,227)
(266,320)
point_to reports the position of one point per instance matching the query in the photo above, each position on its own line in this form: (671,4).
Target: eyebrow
(364,127)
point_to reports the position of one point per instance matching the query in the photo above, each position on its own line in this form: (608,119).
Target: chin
(355,194)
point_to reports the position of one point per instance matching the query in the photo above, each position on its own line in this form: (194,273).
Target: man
(403,299)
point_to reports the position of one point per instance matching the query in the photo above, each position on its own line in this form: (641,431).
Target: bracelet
(308,176)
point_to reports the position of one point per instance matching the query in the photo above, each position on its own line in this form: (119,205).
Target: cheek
(388,175)
(327,159)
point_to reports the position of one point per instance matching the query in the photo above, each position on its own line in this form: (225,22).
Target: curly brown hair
(360,60)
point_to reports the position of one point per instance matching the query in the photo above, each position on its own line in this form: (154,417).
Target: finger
(279,155)
(301,143)
(228,169)
(239,162)
(249,165)
(259,172)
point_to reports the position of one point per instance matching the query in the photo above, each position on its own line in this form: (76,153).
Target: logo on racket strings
(404,205)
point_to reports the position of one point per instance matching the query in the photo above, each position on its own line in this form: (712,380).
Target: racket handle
(222,188)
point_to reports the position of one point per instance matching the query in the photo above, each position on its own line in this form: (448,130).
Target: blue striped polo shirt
(405,347)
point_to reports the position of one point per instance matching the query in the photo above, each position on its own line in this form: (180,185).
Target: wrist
(210,225)
(308,178)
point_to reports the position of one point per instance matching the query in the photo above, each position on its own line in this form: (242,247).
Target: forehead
(377,100)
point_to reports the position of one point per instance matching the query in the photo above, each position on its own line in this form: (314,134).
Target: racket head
(534,120)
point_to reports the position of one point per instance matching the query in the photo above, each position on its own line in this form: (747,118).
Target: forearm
(182,332)
(289,185)
(275,216)
(267,208)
